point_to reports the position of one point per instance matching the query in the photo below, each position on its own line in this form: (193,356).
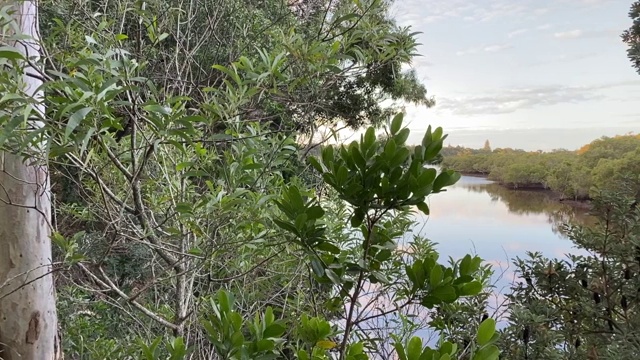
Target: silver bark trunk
(28,322)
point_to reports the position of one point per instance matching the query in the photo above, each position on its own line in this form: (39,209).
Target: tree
(583,306)
(167,182)
(487,146)
(631,36)
(28,323)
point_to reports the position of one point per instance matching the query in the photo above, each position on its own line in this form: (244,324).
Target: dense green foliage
(604,164)
(192,222)
(581,307)
(189,222)
(342,57)
(631,36)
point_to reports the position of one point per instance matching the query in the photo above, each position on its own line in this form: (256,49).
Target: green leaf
(333,276)
(436,275)
(357,218)
(358,158)
(402,136)
(369,138)
(274,330)
(344,18)
(302,355)
(400,351)
(446,178)
(181,166)
(317,267)
(327,155)
(326,344)
(396,123)
(488,353)
(470,289)
(155,108)
(423,207)
(414,348)
(448,348)
(316,164)
(328,247)
(286,226)
(465,265)
(445,293)
(184,208)
(11,53)
(75,120)
(486,331)
(315,212)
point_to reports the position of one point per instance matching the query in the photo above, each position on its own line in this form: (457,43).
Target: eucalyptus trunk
(28,323)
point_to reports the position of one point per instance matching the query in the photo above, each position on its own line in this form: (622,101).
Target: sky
(531,74)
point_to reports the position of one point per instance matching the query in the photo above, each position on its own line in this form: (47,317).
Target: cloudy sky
(533,74)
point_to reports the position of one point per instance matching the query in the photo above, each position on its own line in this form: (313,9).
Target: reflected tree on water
(531,202)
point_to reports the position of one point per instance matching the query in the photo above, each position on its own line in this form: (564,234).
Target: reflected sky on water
(479,216)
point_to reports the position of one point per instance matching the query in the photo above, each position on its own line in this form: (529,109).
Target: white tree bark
(28,322)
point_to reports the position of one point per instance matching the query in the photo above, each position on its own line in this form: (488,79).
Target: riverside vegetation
(189,221)
(604,164)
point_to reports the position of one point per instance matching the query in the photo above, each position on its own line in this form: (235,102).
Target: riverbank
(537,187)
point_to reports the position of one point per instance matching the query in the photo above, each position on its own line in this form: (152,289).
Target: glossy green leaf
(396,123)
(485,331)
(445,293)
(317,267)
(414,348)
(357,218)
(402,136)
(488,353)
(423,207)
(435,275)
(472,288)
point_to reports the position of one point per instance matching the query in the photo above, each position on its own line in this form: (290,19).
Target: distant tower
(487,146)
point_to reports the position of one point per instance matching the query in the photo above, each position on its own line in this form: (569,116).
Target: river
(477,216)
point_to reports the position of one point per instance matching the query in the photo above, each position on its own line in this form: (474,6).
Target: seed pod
(583,282)
(485,316)
(578,343)
(525,334)
(624,303)
(627,273)
(596,297)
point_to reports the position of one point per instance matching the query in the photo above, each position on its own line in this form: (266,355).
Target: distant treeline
(605,163)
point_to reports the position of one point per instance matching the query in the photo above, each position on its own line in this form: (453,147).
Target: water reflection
(527,202)
(481,217)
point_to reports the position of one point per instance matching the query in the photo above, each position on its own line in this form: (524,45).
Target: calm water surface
(480,217)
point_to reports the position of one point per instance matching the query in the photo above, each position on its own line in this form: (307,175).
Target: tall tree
(28,324)
(487,146)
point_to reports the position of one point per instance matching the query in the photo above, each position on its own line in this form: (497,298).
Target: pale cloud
(566,58)
(476,11)
(571,34)
(517,32)
(544,27)
(540,11)
(512,100)
(582,34)
(486,48)
(496,48)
